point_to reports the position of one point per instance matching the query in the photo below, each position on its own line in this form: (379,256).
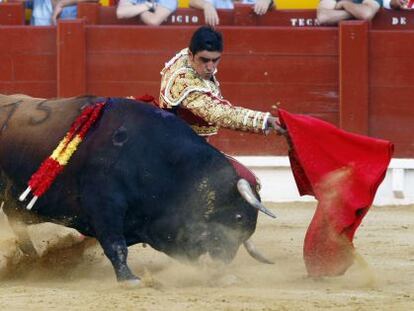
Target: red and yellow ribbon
(43,178)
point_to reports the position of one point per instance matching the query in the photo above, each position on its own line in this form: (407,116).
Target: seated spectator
(331,12)
(47,12)
(399,4)
(150,12)
(209,7)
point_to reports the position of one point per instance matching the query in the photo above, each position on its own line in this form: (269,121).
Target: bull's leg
(107,218)
(116,250)
(11,214)
(23,239)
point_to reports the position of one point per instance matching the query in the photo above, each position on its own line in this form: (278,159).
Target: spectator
(209,7)
(150,12)
(331,12)
(47,12)
(399,4)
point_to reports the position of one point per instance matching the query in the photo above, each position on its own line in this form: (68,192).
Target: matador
(189,89)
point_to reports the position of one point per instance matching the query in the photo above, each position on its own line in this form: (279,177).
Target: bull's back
(30,129)
(26,120)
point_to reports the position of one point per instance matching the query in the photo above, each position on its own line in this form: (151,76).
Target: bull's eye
(239,217)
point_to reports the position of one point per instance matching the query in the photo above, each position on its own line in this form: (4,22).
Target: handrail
(13,13)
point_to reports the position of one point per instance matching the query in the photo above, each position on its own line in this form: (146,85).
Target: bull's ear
(247,193)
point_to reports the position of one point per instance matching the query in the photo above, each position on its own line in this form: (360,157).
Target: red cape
(343,171)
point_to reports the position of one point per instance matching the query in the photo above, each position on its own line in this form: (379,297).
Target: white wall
(278,184)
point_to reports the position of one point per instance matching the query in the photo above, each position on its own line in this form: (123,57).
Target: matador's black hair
(206,38)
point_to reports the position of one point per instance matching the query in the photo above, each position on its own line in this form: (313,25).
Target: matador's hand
(274,123)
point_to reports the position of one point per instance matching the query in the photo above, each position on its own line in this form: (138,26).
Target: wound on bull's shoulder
(120,136)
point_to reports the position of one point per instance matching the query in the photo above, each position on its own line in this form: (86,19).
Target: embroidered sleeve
(220,112)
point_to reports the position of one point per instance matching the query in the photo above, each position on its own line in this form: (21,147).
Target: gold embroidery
(181,86)
(205,130)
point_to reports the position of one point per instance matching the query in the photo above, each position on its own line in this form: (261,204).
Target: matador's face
(205,63)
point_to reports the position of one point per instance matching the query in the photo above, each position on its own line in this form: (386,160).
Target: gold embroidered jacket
(200,103)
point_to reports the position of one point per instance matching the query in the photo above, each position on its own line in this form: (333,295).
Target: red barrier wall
(255,72)
(12,14)
(28,60)
(391,88)
(356,75)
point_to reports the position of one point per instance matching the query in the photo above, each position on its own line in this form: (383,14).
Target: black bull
(141,175)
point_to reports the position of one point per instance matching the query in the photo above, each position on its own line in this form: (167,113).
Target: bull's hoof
(132,283)
(28,249)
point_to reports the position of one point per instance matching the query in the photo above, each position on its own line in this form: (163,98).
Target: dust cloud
(79,277)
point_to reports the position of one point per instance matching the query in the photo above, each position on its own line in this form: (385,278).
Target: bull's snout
(223,244)
(222,254)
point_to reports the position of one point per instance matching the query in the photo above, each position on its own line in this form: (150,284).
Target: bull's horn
(252,250)
(247,193)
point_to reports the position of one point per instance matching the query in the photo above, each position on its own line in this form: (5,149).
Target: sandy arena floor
(385,240)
